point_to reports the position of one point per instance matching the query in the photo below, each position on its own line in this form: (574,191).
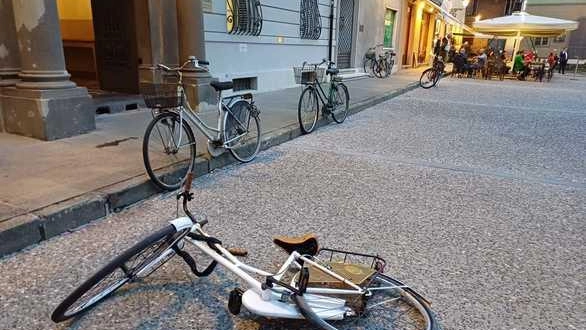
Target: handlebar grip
(203,62)
(188,181)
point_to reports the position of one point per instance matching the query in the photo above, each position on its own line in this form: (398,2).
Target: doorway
(100,46)
(345,35)
(406,55)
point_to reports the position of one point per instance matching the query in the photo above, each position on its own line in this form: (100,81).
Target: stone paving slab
(69,182)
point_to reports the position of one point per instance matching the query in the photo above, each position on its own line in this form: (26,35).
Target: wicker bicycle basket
(308,74)
(370,54)
(161,96)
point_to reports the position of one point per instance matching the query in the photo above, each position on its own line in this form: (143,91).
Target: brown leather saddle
(306,244)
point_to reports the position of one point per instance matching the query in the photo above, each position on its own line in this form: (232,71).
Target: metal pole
(524,6)
(576,68)
(331,38)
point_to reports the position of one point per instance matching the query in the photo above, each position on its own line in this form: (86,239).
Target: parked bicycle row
(169,146)
(378,62)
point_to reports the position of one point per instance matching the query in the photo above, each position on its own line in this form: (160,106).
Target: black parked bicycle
(335,101)
(379,66)
(431,76)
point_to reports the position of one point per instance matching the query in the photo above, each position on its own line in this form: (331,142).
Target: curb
(25,230)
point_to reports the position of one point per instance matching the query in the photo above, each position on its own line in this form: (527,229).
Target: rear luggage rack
(370,260)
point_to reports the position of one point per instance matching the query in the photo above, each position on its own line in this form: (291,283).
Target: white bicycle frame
(269,301)
(213,134)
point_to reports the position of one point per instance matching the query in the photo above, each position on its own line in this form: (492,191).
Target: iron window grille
(309,20)
(244,17)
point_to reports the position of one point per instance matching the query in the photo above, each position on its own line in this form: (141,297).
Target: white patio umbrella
(522,24)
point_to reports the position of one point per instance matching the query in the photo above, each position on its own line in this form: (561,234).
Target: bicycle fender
(181,223)
(309,314)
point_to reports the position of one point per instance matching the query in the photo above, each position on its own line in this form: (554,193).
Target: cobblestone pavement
(475,192)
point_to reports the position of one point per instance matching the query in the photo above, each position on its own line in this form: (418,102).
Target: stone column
(9,57)
(190,31)
(164,47)
(45,104)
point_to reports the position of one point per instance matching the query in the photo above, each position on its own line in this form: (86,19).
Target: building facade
(52,52)
(574,10)
(486,9)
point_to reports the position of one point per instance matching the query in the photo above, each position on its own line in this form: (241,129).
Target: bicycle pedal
(238,252)
(235,301)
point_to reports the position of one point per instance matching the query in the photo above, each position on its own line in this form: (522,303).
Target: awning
(522,24)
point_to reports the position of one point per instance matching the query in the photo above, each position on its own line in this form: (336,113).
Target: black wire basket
(162,96)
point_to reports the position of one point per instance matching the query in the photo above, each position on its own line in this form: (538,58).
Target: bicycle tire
(438,77)
(368,66)
(380,68)
(168,236)
(340,116)
(390,65)
(173,174)
(429,74)
(301,112)
(427,319)
(243,148)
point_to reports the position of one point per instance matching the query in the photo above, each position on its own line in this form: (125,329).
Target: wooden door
(116,46)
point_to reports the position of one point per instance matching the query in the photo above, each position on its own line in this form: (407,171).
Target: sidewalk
(51,187)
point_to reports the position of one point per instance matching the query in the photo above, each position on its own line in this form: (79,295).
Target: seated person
(461,64)
(539,69)
(490,65)
(518,64)
(552,60)
(503,57)
(500,64)
(481,62)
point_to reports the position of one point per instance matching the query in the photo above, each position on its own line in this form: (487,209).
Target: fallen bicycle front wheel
(388,304)
(137,262)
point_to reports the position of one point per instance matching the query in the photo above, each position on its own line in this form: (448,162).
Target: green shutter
(389,24)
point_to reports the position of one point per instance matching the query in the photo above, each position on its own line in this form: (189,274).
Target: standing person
(563,60)
(444,48)
(437,44)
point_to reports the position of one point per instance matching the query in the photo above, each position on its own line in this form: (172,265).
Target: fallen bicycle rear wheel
(390,305)
(135,263)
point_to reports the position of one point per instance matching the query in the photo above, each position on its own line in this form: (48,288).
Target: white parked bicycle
(168,147)
(332,289)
